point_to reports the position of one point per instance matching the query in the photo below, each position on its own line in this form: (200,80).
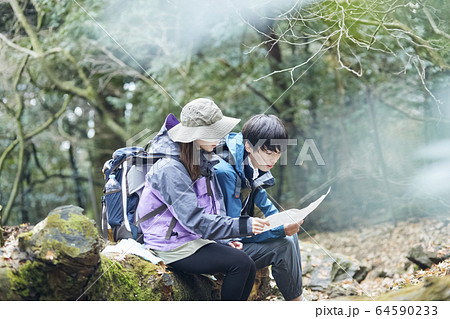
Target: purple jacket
(198,215)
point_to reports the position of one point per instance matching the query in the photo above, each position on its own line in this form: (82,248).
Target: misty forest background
(366,81)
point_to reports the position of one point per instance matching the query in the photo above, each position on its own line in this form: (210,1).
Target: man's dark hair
(267,128)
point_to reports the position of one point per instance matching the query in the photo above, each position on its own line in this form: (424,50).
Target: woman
(184,181)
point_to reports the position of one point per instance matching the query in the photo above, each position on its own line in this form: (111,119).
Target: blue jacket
(231,174)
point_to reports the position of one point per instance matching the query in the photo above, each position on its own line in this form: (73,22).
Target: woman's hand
(258,225)
(236,244)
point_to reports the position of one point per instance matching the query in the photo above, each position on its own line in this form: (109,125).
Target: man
(243,174)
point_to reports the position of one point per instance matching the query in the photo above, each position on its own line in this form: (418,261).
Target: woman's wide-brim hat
(201,119)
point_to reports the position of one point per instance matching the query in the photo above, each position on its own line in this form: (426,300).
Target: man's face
(262,159)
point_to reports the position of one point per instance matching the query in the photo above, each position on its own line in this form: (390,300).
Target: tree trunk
(380,157)
(77,186)
(284,108)
(2,241)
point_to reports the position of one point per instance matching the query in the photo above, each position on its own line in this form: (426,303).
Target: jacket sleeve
(268,208)
(176,187)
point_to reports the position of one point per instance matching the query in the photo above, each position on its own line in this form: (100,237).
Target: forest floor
(384,248)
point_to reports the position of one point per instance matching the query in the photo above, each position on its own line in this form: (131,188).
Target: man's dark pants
(284,256)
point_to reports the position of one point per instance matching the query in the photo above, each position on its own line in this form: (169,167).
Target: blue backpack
(124,181)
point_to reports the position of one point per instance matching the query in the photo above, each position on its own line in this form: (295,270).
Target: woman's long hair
(187,159)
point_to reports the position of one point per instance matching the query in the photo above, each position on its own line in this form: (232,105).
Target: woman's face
(207,144)
(262,159)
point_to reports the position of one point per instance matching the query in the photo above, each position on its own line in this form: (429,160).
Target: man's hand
(292,229)
(258,225)
(236,244)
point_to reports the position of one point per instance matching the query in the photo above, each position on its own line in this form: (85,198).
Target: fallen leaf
(50,255)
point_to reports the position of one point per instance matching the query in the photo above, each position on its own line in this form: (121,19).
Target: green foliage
(317,65)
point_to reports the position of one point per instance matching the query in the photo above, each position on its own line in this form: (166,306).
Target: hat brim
(218,130)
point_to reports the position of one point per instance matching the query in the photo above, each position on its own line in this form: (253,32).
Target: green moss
(75,223)
(29,282)
(5,286)
(23,238)
(432,289)
(51,249)
(131,280)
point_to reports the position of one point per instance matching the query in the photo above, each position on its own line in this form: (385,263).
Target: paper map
(294,215)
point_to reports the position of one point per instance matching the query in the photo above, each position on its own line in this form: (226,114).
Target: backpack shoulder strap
(153,213)
(237,188)
(173,222)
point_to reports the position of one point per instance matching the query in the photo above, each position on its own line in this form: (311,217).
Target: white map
(130,246)
(293,215)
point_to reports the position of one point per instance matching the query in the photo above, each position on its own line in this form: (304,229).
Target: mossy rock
(130,279)
(63,252)
(66,237)
(136,279)
(432,289)
(133,278)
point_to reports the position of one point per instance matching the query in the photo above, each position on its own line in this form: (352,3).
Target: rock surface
(56,258)
(321,267)
(432,289)
(424,258)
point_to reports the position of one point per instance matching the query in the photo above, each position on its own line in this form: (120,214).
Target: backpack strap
(153,213)
(147,146)
(210,193)
(237,188)
(173,222)
(104,219)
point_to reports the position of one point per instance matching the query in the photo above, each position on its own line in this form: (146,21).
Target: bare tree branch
(21,141)
(413,116)
(18,47)
(67,86)
(37,131)
(434,26)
